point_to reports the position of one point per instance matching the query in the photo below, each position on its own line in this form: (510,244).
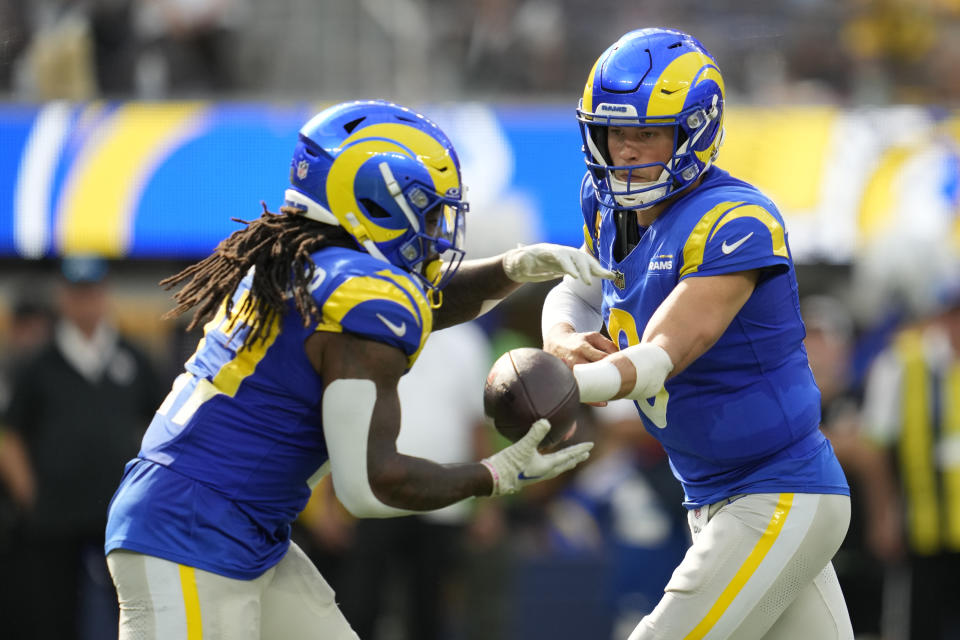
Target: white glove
(545,261)
(520,463)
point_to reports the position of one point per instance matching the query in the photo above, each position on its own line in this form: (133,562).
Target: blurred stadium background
(136,129)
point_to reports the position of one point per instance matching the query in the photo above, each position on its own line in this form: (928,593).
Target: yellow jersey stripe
(747,569)
(355,291)
(231,374)
(778,240)
(388,286)
(106,181)
(697,241)
(424,311)
(191,602)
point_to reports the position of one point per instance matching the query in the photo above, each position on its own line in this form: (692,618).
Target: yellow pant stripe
(191,602)
(747,569)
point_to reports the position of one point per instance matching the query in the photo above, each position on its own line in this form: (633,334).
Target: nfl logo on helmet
(302,167)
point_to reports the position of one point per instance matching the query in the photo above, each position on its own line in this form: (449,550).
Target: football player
(312,316)
(705,336)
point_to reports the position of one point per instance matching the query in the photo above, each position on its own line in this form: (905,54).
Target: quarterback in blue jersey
(312,316)
(703,331)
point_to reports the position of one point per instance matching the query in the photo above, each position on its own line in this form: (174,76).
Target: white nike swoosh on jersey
(399,330)
(730,248)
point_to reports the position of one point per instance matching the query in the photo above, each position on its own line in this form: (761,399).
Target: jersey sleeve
(385,306)
(591,215)
(735,236)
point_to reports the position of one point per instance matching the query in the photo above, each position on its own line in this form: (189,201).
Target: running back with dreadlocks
(333,303)
(278,245)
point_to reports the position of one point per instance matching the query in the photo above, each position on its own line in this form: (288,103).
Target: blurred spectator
(189,46)
(115,45)
(28,329)
(403,574)
(912,415)
(14,33)
(30,324)
(58,62)
(829,345)
(517,46)
(77,411)
(903,50)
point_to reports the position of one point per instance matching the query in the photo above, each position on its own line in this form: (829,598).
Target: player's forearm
(477,286)
(417,484)
(572,303)
(696,314)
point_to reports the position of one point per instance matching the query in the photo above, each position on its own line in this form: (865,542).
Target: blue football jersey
(229,458)
(744,417)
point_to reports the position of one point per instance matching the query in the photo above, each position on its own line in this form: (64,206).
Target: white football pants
(759,568)
(163,600)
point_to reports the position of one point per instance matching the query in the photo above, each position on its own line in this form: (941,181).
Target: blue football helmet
(390,178)
(652,78)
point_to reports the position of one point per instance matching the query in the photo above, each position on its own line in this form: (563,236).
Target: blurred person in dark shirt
(77,410)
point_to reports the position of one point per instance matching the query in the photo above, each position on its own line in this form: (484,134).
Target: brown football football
(527,384)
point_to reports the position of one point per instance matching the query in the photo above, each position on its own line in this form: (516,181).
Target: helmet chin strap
(309,208)
(394,188)
(432,274)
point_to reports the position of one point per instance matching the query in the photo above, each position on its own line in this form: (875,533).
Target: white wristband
(636,372)
(652,366)
(598,381)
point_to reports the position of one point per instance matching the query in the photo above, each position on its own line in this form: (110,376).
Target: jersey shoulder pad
(359,294)
(733,229)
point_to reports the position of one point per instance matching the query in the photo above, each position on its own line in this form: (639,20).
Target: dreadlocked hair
(278,245)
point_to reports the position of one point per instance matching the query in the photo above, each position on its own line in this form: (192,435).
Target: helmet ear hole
(374,210)
(350,126)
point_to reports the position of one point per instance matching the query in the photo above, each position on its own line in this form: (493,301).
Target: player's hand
(545,261)
(577,348)
(521,463)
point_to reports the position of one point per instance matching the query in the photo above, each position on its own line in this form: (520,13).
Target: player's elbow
(362,504)
(358,495)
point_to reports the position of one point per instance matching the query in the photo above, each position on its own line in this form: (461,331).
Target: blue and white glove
(544,261)
(521,464)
